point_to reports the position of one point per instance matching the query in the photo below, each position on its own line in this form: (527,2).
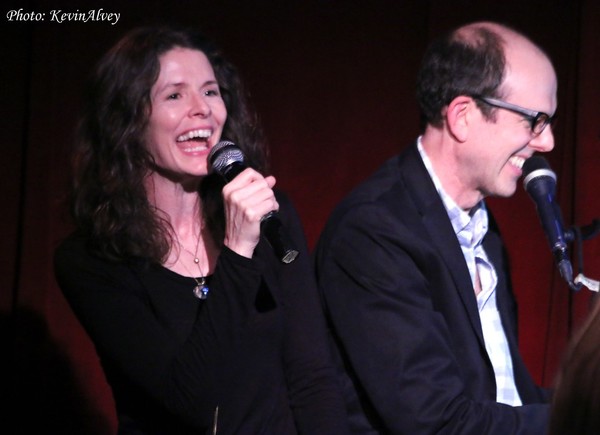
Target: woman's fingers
(248,197)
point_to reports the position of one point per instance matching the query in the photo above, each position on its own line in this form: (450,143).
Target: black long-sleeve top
(250,359)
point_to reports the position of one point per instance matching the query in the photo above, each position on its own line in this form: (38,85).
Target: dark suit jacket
(404,316)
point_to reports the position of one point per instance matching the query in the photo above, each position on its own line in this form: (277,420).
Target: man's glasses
(538,120)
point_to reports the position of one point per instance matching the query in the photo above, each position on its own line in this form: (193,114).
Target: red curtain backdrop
(333,82)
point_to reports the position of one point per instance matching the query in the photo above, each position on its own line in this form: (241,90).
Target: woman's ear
(458,116)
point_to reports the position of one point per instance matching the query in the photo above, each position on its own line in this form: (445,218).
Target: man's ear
(458,116)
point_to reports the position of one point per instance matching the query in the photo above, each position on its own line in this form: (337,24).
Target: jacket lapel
(436,221)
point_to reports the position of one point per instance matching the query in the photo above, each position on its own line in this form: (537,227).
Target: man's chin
(505,191)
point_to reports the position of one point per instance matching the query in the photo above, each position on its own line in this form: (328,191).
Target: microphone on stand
(227,159)
(540,184)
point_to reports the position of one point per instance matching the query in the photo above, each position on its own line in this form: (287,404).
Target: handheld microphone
(227,159)
(540,184)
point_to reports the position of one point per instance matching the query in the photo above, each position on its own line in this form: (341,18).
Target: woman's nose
(199,106)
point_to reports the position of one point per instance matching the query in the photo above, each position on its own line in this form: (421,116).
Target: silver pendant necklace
(201,289)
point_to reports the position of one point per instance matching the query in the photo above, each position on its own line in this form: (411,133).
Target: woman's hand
(248,197)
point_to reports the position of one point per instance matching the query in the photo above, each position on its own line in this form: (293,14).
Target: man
(419,302)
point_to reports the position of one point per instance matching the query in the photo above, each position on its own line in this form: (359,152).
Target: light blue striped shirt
(470,229)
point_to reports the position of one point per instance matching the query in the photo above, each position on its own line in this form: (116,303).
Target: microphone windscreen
(534,163)
(223,154)
(534,167)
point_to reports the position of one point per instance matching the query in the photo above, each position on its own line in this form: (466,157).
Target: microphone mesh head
(534,163)
(534,167)
(224,154)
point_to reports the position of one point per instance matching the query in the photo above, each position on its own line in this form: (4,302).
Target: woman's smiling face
(188,113)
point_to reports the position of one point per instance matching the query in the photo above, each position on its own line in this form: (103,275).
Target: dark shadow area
(43,395)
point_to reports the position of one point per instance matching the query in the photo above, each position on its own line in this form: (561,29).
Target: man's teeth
(517,161)
(202,134)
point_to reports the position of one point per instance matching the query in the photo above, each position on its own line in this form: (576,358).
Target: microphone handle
(278,238)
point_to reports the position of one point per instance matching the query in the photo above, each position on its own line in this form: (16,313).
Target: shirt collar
(469,227)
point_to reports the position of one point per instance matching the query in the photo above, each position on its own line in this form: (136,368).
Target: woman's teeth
(198,148)
(195,134)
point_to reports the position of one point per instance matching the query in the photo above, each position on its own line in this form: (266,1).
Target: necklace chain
(201,289)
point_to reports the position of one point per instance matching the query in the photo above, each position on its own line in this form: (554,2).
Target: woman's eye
(211,92)
(174,96)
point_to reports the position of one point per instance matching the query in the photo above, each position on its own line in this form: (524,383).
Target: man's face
(500,146)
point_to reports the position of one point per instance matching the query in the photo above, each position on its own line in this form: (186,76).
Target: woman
(576,399)
(200,329)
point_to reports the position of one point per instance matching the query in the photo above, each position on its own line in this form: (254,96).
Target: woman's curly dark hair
(110,161)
